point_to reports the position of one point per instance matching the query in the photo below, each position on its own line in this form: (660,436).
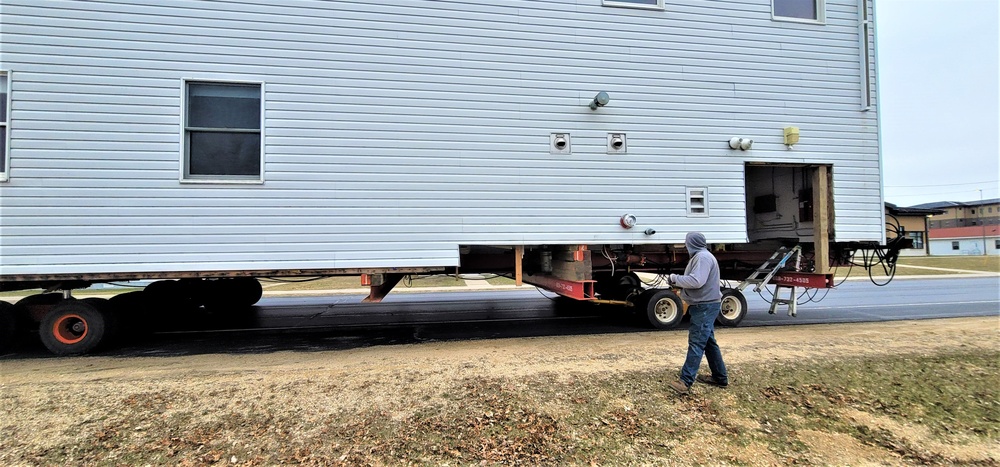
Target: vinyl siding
(396,131)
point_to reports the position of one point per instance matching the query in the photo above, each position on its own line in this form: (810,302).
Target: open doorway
(791,204)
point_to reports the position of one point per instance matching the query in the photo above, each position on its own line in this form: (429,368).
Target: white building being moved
(566,142)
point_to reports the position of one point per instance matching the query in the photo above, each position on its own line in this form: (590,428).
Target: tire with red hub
(72,327)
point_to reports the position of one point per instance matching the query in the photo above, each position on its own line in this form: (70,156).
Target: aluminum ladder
(775,263)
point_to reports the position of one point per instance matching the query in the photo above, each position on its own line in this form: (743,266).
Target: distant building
(968,214)
(911,223)
(973,240)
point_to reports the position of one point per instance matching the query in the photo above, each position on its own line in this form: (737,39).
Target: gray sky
(940,99)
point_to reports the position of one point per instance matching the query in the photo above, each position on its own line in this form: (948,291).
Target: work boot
(710,380)
(679,386)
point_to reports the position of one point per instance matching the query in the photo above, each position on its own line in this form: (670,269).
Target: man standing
(700,289)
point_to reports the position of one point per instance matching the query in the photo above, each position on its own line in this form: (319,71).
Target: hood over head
(695,242)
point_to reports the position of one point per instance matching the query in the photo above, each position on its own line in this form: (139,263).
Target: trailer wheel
(249,290)
(664,308)
(132,311)
(34,307)
(620,286)
(8,326)
(72,327)
(734,308)
(112,325)
(232,293)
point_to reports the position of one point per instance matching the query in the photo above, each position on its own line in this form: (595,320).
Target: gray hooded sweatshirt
(700,282)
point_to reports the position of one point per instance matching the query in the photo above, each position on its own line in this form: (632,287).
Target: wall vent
(697,202)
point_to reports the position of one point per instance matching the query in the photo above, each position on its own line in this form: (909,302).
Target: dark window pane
(638,2)
(3,148)
(223,106)
(216,153)
(3,96)
(805,9)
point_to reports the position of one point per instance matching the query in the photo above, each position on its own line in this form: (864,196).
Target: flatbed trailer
(567,144)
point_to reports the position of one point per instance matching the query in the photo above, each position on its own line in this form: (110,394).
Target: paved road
(340,322)
(862,301)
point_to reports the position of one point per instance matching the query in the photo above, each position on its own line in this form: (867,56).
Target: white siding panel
(396,131)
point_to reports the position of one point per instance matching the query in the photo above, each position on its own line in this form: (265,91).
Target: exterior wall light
(742,144)
(600,100)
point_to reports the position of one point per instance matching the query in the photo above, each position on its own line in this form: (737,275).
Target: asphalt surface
(343,322)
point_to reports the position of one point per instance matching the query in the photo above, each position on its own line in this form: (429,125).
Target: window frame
(185,175)
(955,245)
(5,75)
(918,239)
(626,4)
(820,14)
(865,27)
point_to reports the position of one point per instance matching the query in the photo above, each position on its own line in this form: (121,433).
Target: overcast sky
(940,99)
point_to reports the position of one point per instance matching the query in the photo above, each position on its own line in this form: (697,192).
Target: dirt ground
(54,409)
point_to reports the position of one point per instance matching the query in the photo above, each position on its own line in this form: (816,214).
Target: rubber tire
(174,297)
(664,309)
(231,293)
(112,325)
(171,294)
(34,307)
(133,311)
(734,308)
(61,341)
(249,291)
(8,326)
(621,286)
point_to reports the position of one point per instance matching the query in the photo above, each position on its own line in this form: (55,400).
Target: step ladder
(775,263)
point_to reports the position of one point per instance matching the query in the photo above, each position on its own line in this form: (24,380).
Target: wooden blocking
(572,265)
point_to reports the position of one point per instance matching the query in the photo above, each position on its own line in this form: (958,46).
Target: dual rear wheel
(664,309)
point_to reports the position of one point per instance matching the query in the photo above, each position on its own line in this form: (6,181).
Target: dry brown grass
(851,394)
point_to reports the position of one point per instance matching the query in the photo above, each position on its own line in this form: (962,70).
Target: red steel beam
(579,290)
(803,279)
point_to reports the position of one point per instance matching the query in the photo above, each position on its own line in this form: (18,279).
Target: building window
(972,211)
(697,202)
(649,4)
(954,245)
(798,10)
(996,244)
(864,31)
(4,124)
(222,132)
(918,239)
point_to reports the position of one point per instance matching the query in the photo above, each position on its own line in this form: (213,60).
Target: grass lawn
(968,263)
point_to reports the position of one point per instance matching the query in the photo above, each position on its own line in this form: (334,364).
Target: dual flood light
(742,144)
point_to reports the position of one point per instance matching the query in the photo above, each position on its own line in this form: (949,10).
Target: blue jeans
(701,341)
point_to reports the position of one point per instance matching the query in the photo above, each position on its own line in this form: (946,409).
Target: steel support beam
(579,290)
